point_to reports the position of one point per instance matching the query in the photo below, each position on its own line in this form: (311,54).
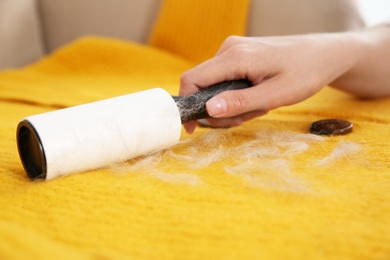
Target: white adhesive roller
(102,133)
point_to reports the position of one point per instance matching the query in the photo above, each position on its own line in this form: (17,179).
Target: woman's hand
(283,70)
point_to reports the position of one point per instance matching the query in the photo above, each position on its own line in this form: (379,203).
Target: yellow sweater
(265,190)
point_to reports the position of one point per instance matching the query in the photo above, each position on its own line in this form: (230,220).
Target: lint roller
(109,131)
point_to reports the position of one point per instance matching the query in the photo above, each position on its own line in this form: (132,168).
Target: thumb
(264,96)
(229,103)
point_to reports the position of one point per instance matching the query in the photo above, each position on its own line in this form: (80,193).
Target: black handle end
(194,107)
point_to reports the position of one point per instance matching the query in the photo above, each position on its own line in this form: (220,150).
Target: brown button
(331,127)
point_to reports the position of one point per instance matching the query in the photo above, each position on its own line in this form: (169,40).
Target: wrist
(368,77)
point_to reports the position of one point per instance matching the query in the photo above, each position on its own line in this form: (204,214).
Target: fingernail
(216,107)
(190,127)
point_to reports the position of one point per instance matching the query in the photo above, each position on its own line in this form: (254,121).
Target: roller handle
(193,107)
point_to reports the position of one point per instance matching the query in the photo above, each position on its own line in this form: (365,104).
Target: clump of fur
(263,159)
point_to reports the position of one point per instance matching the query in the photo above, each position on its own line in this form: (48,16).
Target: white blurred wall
(374,11)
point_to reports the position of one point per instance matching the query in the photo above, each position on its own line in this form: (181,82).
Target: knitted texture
(264,190)
(196,29)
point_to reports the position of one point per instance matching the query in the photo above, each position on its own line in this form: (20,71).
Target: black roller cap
(31,151)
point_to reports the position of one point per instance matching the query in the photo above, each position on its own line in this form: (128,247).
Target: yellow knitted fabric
(265,190)
(196,29)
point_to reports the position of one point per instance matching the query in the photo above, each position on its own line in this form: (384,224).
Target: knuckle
(185,82)
(232,40)
(232,43)
(243,55)
(240,56)
(184,79)
(238,51)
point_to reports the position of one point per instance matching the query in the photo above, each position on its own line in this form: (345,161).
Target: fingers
(236,102)
(234,63)
(190,126)
(223,122)
(238,58)
(280,90)
(283,70)
(232,121)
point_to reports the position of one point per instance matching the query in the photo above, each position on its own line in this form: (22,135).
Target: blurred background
(374,11)
(31,29)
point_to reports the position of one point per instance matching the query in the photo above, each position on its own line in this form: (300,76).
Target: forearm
(369,75)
